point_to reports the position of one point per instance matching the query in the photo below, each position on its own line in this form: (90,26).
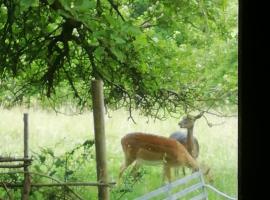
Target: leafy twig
(54,179)
(7,191)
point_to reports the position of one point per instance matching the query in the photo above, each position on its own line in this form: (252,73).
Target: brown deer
(153,149)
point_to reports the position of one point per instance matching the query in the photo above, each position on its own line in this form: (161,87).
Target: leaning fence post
(27,180)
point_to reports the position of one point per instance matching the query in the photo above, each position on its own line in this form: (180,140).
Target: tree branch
(99,8)
(115,7)
(211,124)
(76,93)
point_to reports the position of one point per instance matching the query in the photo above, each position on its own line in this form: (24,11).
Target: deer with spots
(143,148)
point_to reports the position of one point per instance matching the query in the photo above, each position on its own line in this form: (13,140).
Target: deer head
(188,123)
(189,120)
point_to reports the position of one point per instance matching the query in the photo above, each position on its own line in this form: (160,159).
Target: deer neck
(190,139)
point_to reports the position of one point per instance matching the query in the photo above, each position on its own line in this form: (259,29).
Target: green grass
(218,145)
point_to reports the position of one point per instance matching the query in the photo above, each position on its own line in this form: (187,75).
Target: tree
(161,57)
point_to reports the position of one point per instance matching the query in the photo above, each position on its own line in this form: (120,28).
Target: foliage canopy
(160,57)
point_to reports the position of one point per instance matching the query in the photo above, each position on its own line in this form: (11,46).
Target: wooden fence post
(100,144)
(27,180)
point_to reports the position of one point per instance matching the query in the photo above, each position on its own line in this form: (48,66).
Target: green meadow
(61,133)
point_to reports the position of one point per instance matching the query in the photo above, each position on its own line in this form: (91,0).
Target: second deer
(188,123)
(188,140)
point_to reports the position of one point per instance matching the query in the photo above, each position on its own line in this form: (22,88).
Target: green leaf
(59,162)
(141,40)
(37,168)
(25,4)
(66,4)
(88,143)
(119,40)
(50,1)
(99,52)
(119,54)
(68,173)
(42,158)
(84,5)
(50,152)
(64,13)
(51,27)
(52,173)
(101,34)
(131,29)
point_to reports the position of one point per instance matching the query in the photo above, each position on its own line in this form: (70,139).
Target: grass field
(218,145)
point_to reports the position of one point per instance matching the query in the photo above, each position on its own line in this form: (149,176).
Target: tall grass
(218,145)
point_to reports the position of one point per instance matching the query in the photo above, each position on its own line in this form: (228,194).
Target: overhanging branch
(115,7)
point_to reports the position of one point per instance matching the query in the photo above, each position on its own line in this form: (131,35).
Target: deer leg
(135,169)
(184,171)
(125,166)
(176,172)
(167,173)
(122,169)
